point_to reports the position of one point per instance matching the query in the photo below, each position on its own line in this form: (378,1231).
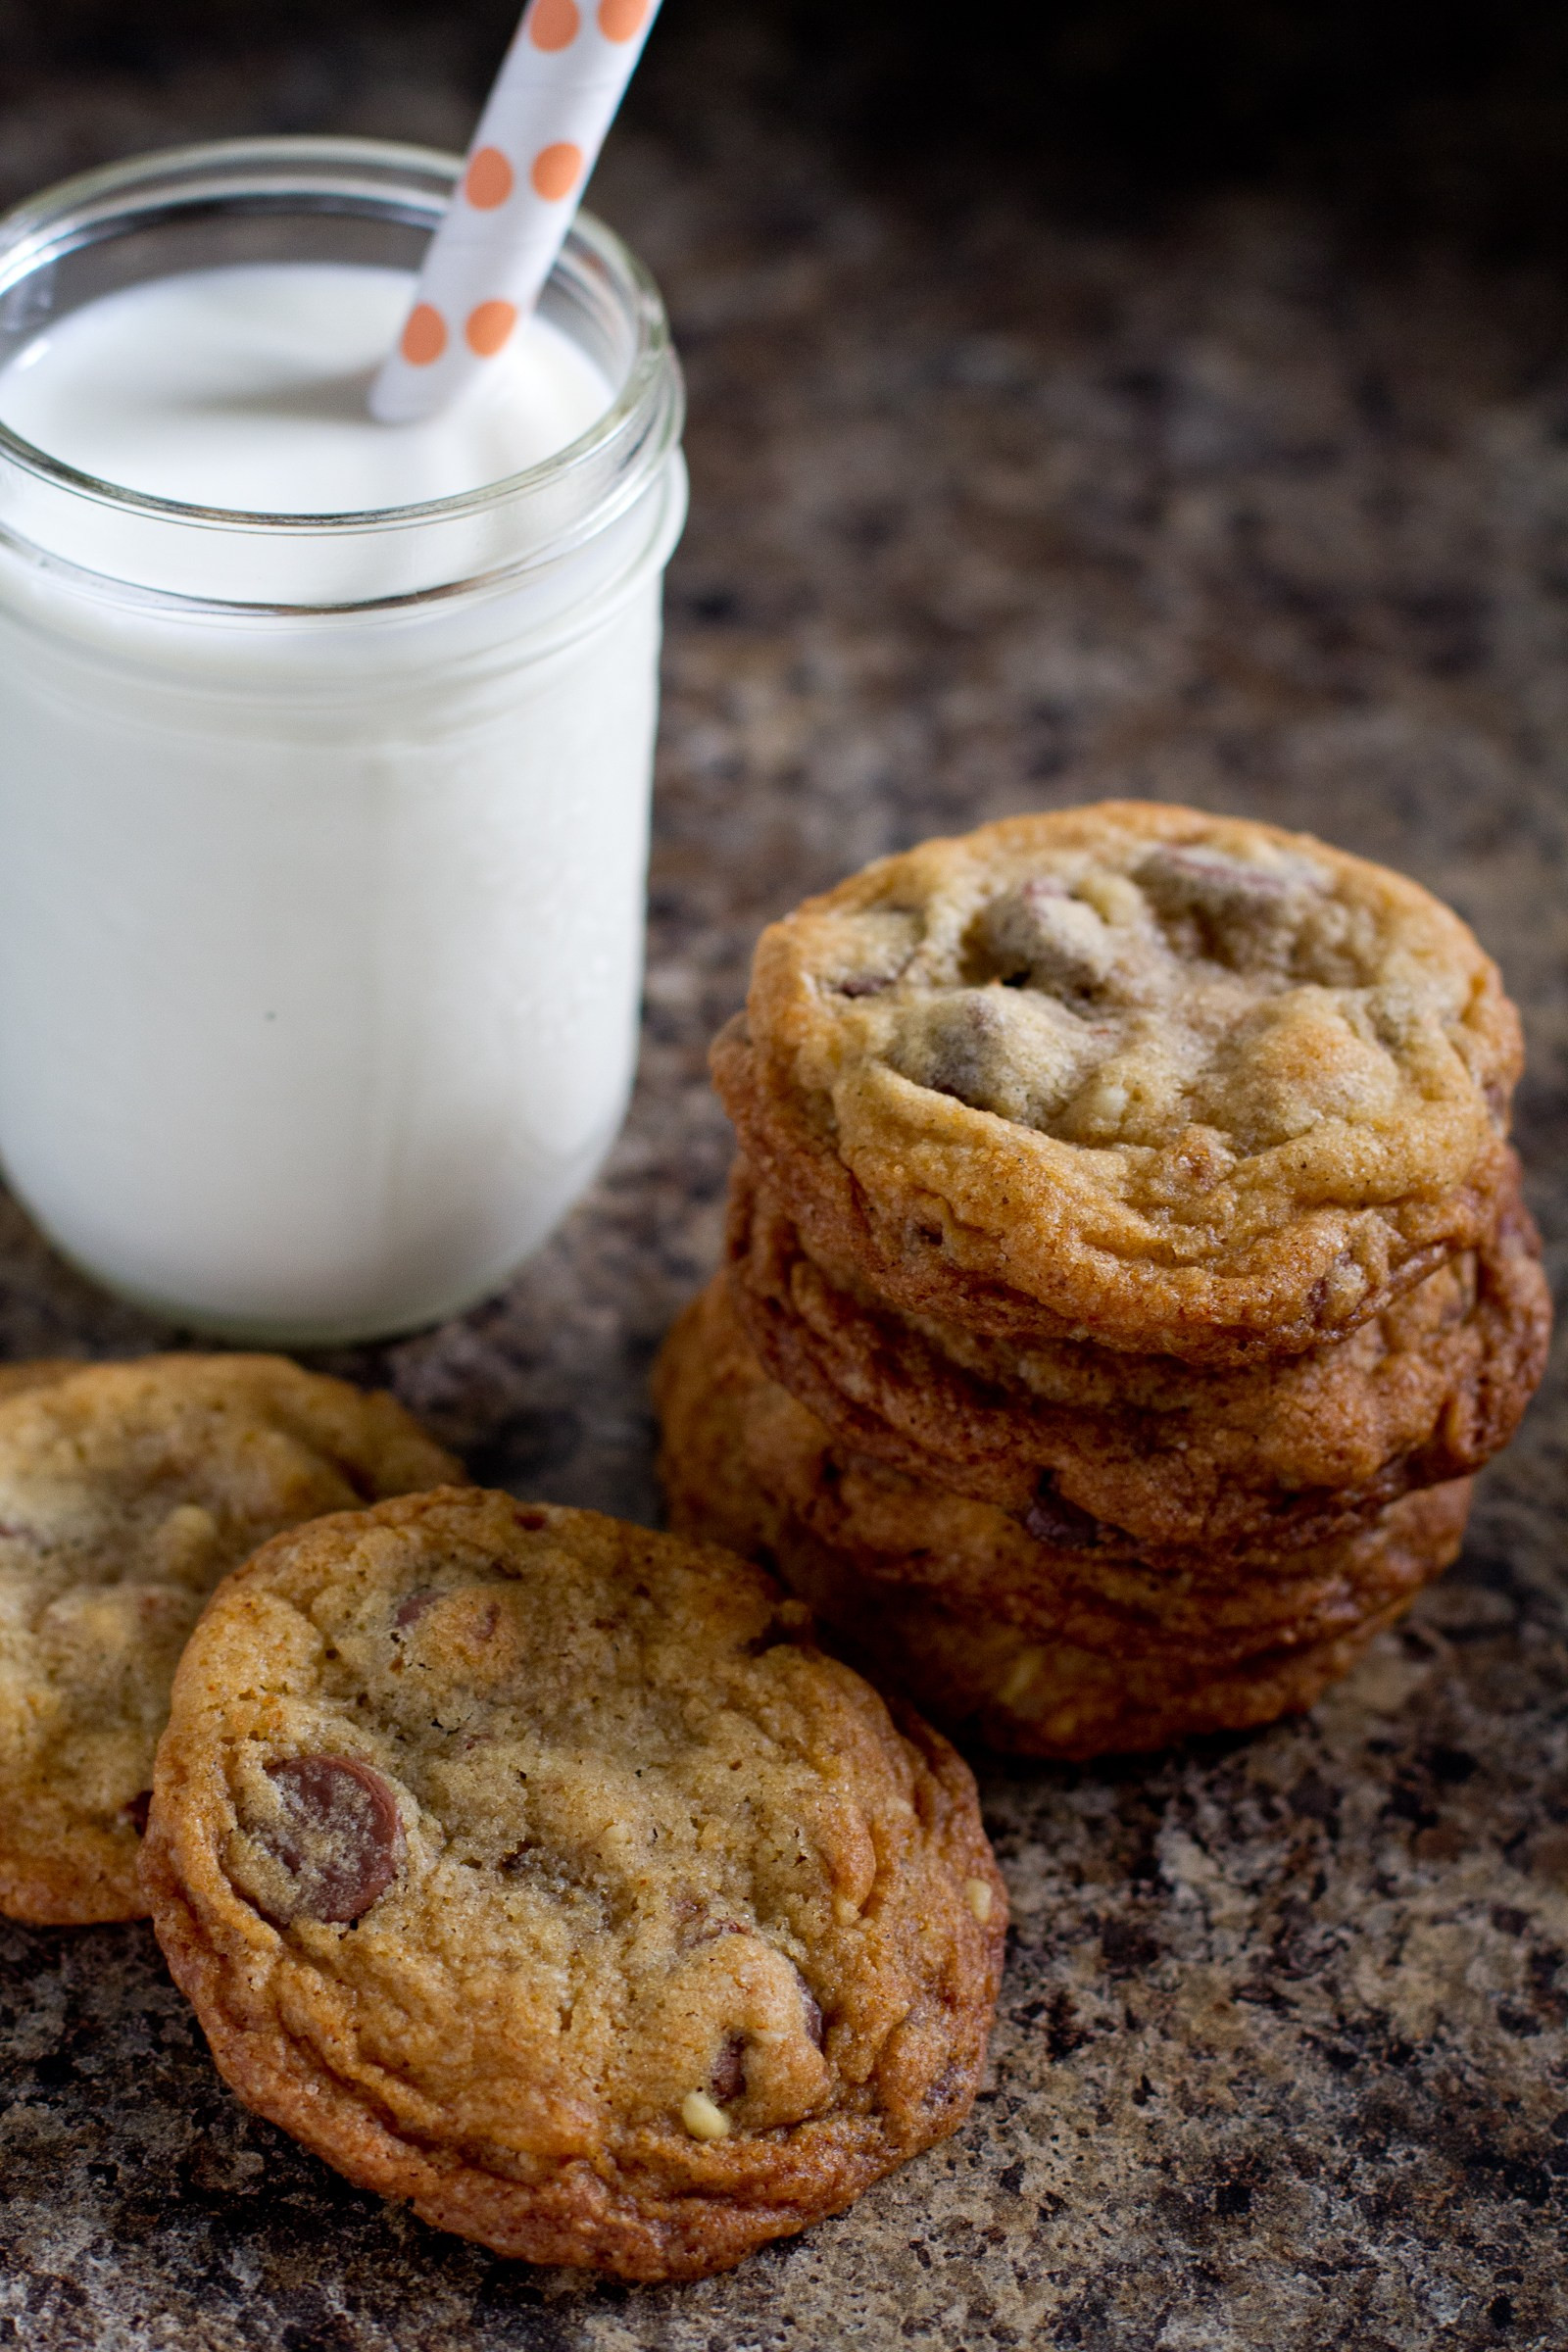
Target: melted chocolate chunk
(1038,937)
(340,1838)
(1240,914)
(728,2077)
(1052,1519)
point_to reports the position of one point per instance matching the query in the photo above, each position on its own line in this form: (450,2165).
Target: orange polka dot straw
(538,139)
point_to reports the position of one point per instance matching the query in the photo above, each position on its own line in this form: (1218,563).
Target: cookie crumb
(979,1898)
(844,1911)
(701,2118)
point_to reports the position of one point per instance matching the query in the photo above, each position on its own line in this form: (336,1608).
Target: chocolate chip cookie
(1173,1083)
(990,1684)
(746,1463)
(126,1492)
(1147,1453)
(543,1872)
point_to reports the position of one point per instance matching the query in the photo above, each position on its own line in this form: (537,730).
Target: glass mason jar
(322,912)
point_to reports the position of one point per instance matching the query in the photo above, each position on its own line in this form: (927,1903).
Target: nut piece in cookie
(126,1492)
(542,1871)
(1175,1084)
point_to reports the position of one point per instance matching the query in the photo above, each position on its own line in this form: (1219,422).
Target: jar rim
(383,175)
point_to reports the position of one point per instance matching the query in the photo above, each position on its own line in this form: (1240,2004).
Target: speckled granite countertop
(991,515)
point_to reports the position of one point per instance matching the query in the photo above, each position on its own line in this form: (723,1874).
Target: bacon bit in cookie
(340,1838)
(978,1895)
(702,2118)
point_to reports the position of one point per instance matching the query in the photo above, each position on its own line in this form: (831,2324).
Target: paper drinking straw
(538,138)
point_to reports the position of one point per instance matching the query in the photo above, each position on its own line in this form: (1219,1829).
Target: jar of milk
(324,745)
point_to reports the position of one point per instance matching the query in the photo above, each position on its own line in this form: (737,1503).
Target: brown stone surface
(990,513)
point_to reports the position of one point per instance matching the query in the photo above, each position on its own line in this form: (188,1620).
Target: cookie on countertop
(990,1684)
(542,1872)
(126,1489)
(746,1463)
(1106,1449)
(1173,1083)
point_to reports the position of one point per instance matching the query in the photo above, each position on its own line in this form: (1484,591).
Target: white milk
(245,387)
(321,927)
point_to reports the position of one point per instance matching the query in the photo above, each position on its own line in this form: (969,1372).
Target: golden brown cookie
(744,1462)
(542,1871)
(993,1687)
(1146,1454)
(986,1678)
(36,1372)
(1173,1083)
(126,1492)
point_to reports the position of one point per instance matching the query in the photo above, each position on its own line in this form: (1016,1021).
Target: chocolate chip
(1242,914)
(946,2086)
(815,2027)
(1209,875)
(1016,1053)
(340,1838)
(727,2079)
(137,1810)
(698,1927)
(1038,937)
(412,1607)
(1052,1519)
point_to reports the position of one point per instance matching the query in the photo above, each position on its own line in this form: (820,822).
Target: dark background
(1415,119)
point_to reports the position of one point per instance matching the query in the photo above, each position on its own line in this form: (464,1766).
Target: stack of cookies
(1127,1270)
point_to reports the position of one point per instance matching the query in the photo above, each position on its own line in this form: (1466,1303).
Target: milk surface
(244,388)
(321,932)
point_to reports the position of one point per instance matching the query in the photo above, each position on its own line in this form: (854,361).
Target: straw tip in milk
(395,400)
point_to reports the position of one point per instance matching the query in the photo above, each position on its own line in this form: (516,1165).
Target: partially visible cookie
(745,1462)
(36,1372)
(1146,1454)
(1173,1083)
(126,1492)
(541,1871)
